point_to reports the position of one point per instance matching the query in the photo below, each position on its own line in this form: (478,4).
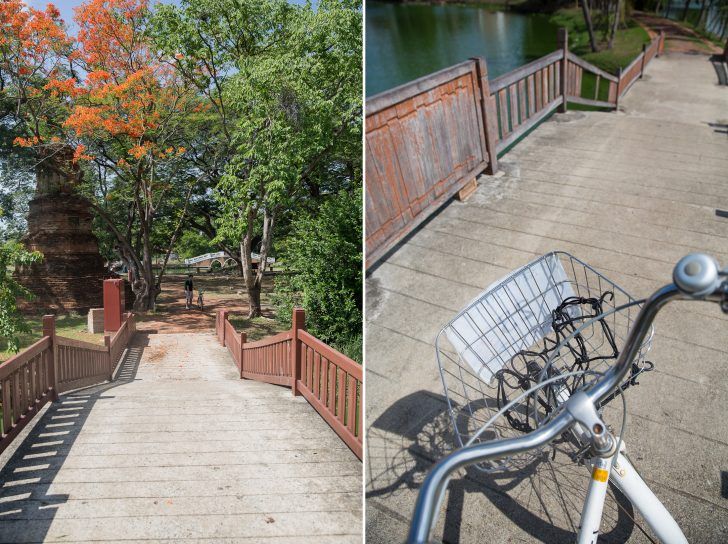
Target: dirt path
(220,291)
(678,38)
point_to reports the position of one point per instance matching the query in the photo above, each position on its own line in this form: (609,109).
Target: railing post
(243,339)
(49,330)
(562,42)
(619,88)
(298,322)
(644,56)
(107,343)
(223,319)
(490,119)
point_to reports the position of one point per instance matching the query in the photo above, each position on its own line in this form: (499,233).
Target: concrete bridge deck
(628,192)
(179,449)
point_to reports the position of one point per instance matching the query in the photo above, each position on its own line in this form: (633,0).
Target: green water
(406,41)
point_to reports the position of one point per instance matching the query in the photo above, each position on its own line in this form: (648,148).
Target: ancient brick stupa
(70,276)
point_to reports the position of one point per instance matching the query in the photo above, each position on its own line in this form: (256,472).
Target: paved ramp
(179,449)
(628,192)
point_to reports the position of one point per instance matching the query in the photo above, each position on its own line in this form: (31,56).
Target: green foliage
(298,103)
(325,257)
(627,43)
(12,324)
(193,243)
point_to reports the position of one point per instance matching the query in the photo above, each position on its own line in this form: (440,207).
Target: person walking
(189,289)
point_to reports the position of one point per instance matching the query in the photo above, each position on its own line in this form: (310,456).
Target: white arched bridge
(223,260)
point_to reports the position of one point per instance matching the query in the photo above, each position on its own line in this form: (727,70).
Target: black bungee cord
(525,368)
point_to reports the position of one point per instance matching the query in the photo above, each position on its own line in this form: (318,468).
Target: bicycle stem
(434,485)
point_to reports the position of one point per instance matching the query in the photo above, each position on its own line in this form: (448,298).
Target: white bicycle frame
(623,475)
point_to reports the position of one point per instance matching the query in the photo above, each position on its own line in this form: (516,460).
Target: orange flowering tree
(129,120)
(106,95)
(36,70)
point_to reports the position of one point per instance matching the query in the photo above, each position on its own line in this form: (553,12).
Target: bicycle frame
(698,278)
(626,478)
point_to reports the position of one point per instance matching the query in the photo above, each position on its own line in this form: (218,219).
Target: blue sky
(66,7)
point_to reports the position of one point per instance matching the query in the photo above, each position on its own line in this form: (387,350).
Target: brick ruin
(70,276)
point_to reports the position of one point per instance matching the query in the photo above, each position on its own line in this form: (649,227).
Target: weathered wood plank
(513,104)
(503,112)
(531,96)
(523,114)
(391,97)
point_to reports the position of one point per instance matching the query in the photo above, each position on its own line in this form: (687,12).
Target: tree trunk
(685,10)
(701,16)
(615,23)
(147,292)
(658,7)
(246,266)
(254,281)
(589,25)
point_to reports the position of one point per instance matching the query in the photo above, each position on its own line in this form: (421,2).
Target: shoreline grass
(627,43)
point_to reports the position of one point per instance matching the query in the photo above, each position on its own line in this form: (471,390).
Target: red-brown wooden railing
(268,360)
(51,366)
(331,382)
(429,138)
(327,379)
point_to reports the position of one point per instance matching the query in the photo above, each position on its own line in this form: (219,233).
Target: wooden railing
(429,138)
(526,96)
(636,68)
(51,366)
(327,379)
(268,360)
(331,382)
(80,364)
(425,140)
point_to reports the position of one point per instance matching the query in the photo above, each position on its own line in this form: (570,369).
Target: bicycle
(507,400)
(200,302)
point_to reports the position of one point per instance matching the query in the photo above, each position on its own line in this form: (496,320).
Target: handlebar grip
(696,274)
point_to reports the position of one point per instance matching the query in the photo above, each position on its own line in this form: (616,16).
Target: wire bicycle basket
(513,355)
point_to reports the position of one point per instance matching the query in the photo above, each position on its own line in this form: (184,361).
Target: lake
(406,41)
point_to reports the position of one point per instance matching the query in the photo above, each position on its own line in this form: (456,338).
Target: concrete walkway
(628,192)
(179,449)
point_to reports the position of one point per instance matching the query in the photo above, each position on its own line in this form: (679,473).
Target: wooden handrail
(339,359)
(591,68)
(398,94)
(80,344)
(524,71)
(18,360)
(269,341)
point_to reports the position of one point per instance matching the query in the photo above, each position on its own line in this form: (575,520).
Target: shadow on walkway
(544,498)
(27,502)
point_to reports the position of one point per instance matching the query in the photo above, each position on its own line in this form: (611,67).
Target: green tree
(284,83)
(12,323)
(326,257)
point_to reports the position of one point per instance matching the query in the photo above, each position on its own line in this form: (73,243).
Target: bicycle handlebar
(696,276)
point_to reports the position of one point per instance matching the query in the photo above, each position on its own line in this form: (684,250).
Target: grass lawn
(627,43)
(256,328)
(70,326)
